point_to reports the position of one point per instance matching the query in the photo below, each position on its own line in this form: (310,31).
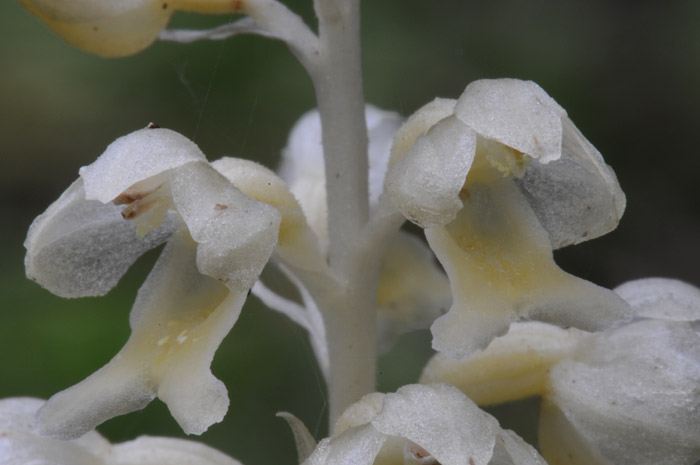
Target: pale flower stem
(349,311)
(341,104)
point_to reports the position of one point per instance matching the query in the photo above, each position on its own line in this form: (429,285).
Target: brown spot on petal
(471,461)
(237,5)
(219,206)
(165,6)
(95,28)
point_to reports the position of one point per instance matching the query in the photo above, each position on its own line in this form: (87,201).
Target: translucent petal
(303,168)
(510,449)
(178,320)
(560,442)
(577,197)
(662,298)
(418,124)
(515,113)
(235,234)
(83,247)
(637,384)
(136,157)
(441,420)
(20,442)
(356,446)
(500,266)
(160,451)
(106,28)
(413,290)
(512,367)
(360,413)
(297,245)
(426,182)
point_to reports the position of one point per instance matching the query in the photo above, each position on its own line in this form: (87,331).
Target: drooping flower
(151,186)
(22,443)
(421,424)
(117,28)
(628,395)
(498,179)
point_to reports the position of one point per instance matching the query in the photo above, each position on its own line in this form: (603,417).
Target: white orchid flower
(218,241)
(117,28)
(412,289)
(628,395)
(421,424)
(21,443)
(498,179)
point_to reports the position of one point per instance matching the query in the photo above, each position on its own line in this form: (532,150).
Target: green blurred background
(626,71)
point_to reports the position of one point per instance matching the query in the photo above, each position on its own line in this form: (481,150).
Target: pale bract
(421,424)
(498,179)
(218,241)
(627,395)
(21,443)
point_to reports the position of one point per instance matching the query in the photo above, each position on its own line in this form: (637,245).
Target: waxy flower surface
(218,241)
(628,395)
(498,179)
(21,443)
(421,424)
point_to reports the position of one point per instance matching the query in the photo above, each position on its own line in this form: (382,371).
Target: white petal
(418,124)
(413,290)
(297,245)
(20,442)
(441,420)
(576,197)
(161,451)
(360,413)
(178,320)
(356,446)
(135,157)
(515,113)
(381,127)
(302,164)
(426,182)
(662,298)
(512,367)
(639,385)
(510,449)
(500,265)
(106,28)
(235,234)
(561,442)
(82,247)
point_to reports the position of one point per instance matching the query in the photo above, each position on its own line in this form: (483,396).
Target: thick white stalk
(350,319)
(349,306)
(341,103)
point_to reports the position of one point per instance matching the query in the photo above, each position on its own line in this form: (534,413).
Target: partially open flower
(218,241)
(498,179)
(117,28)
(22,443)
(628,395)
(421,424)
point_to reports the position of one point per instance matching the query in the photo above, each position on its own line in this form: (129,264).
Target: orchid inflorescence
(496,179)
